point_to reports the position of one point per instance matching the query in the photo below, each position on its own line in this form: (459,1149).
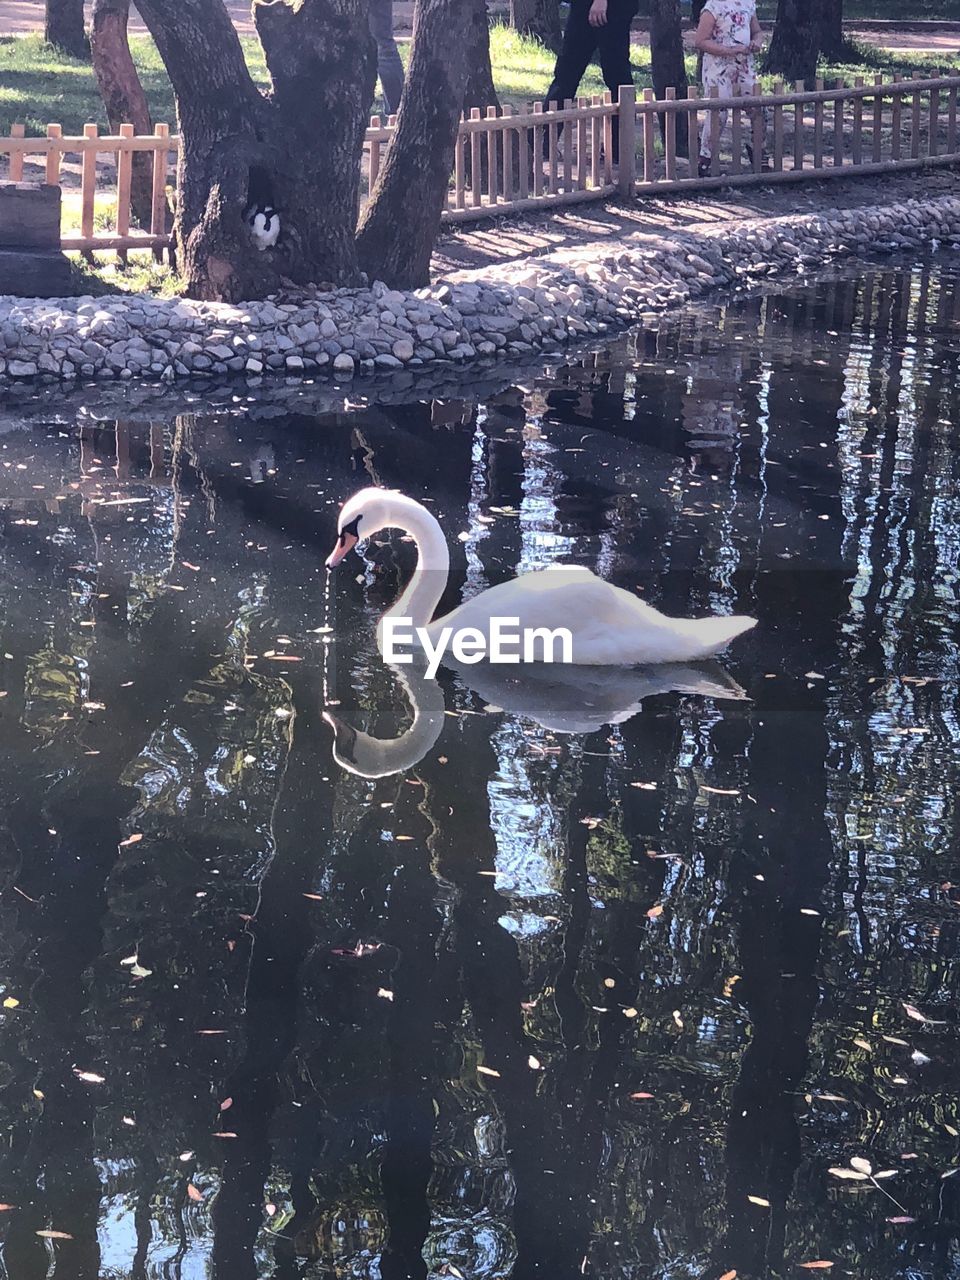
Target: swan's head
(366,513)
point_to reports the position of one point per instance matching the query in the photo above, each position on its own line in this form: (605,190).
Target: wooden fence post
(88,187)
(627,110)
(158,203)
(52,173)
(17,131)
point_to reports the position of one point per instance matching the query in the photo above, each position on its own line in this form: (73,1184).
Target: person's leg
(746,79)
(717,83)
(613,46)
(389,65)
(579,42)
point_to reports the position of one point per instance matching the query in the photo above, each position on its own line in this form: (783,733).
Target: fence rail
(530,158)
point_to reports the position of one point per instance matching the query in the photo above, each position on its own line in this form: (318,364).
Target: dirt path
(509,239)
(19,17)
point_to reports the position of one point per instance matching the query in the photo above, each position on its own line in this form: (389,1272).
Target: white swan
(608,626)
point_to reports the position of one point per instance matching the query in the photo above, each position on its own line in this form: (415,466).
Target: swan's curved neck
(420,598)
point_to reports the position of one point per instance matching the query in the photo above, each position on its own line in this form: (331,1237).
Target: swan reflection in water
(559,697)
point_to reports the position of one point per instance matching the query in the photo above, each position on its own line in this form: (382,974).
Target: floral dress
(726,76)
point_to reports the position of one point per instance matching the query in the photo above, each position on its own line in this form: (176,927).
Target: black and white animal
(264,223)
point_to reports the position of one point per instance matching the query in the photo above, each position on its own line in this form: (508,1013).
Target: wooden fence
(512,160)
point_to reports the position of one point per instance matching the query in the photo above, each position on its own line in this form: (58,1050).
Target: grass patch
(39,85)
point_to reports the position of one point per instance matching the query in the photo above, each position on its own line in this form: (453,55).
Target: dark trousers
(581,41)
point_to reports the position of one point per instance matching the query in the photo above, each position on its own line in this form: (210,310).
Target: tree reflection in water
(541,1004)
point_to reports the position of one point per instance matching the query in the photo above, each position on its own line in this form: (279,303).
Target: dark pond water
(610,1004)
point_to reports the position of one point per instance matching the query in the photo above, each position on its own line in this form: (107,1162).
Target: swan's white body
(608,626)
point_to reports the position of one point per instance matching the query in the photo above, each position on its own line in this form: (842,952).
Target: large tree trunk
(537,18)
(122,94)
(479,90)
(795,46)
(63,27)
(298,149)
(400,225)
(831,43)
(667,59)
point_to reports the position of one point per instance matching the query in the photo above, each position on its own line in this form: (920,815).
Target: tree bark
(63,27)
(831,44)
(479,90)
(667,60)
(297,148)
(539,19)
(400,225)
(122,94)
(797,35)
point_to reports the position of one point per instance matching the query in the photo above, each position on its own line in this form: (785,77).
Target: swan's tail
(709,635)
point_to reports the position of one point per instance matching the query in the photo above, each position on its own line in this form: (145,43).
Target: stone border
(517,310)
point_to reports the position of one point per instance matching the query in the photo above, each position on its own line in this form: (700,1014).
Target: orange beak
(346,544)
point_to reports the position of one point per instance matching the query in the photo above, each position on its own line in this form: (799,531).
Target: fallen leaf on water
(720,791)
(193,1193)
(384,994)
(630,1013)
(677,1019)
(129,1120)
(952,1131)
(211,1033)
(896,1040)
(271,1209)
(764,1204)
(641,1095)
(403,837)
(314,897)
(863,1044)
(949,1174)
(902,1218)
(820,1265)
(730,984)
(55,1235)
(488,1071)
(89,1077)
(187,565)
(655,911)
(533,1063)
(885,1173)
(859,1163)
(609,982)
(134,839)
(226,1104)
(729,1275)
(913,1012)
(11,1002)
(5,1208)
(853,1174)
(222,1134)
